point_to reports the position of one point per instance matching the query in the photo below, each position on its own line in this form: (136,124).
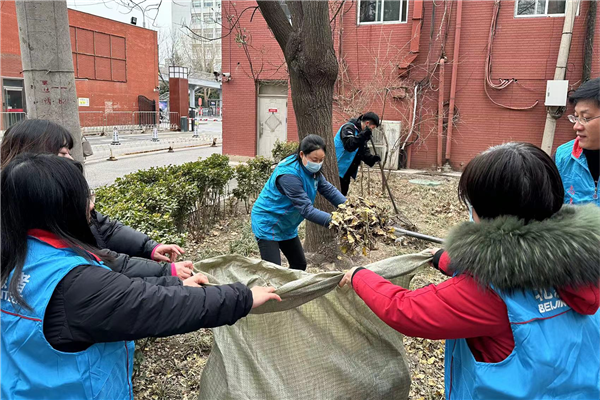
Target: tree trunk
(48,66)
(307,45)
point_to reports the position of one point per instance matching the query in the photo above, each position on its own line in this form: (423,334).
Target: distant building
(116,66)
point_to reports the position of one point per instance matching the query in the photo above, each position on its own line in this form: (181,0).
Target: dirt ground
(171,367)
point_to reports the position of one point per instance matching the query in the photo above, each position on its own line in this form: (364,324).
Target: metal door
(272,117)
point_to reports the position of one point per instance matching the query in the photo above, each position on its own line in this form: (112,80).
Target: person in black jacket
(46,137)
(56,290)
(352,147)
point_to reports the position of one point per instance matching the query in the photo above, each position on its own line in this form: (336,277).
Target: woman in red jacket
(519,314)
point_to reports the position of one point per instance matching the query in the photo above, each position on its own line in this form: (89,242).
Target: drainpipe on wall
(415,41)
(552,113)
(440,115)
(455,60)
(589,41)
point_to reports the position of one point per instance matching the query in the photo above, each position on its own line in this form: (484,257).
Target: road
(102,172)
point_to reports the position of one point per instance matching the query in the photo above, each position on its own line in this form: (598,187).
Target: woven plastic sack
(320,342)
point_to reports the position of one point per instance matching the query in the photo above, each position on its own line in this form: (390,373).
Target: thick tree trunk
(48,66)
(307,45)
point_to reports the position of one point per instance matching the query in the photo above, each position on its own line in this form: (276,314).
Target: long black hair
(311,143)
(42,192)
(517,179)
(38,136)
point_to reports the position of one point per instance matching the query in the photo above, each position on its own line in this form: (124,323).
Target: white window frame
(382,22)
(545,15)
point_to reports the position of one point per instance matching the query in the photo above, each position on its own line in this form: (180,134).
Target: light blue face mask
(470,212)
(313,167)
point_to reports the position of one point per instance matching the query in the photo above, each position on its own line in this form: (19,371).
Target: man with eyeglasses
(578,161)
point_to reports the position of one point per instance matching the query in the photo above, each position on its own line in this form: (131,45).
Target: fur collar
(563,250)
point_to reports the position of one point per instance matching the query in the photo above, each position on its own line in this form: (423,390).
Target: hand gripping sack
(320,342)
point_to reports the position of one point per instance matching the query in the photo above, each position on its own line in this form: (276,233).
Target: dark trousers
(292,249)
(345,184)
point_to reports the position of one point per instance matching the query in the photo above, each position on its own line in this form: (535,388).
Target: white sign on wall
(84,102)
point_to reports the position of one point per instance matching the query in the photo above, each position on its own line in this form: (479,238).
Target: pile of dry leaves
(360,224)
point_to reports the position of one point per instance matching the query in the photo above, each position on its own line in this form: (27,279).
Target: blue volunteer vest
(31,367)
(556,355)
(579,185)
(274,217)
(344,158)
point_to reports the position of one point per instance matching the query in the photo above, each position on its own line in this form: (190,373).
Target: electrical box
(556,93)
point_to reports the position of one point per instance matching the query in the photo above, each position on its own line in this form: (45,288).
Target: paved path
(101,172)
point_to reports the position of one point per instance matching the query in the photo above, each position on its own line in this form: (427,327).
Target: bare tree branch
(277,21)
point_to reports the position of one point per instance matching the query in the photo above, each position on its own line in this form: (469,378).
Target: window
(197,4)
(208,4)
(196,19)
(382,11)
(98,56)
(540,7)
(208,17)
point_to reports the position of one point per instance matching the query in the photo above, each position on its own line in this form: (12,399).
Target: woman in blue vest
(520,311)
(287,199)
(68,322)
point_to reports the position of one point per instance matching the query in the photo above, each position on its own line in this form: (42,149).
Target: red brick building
(387,48)
(114,63)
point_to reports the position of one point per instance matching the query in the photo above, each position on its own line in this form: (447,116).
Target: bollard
(115,140)
(155,134)
(195,135)
(111,158)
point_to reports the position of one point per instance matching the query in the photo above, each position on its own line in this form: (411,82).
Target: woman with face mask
(287,199)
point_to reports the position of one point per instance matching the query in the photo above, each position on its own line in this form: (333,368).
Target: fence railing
(8,119)
(99,122)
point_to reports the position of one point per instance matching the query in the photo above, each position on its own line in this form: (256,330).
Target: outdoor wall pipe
(455,59)
(440,114)
(415,41)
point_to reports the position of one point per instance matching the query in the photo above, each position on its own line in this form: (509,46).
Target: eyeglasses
(92,196)
(583,121)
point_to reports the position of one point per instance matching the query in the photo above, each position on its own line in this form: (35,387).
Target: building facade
(397,58)
(116,66)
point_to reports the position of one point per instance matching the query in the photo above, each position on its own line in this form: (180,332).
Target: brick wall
(524,49)
(141,55)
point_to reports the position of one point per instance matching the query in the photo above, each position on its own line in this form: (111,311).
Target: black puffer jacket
(113,235)
(136,267)
(92,305)
(358,142)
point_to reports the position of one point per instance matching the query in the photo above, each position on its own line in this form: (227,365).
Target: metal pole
(418,235)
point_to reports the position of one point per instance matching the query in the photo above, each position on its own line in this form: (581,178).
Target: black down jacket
(113,235)
(136,267)
(92,305)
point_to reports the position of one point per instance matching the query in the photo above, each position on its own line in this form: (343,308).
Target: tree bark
(47,61)
(307,45)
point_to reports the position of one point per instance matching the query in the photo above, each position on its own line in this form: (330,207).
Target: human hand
(367,133)
(434,250)
(347,278)
(261,294)
(167,252)
(376,159)
(184,269)
(196,280)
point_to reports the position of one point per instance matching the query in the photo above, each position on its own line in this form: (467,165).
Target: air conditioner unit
(391,130)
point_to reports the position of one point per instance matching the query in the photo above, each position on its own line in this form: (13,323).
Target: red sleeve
(584,299)
(444,264)
(456,308)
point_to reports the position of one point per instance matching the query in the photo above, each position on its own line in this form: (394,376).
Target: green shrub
(251,177)
(163,201)
(283,149)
